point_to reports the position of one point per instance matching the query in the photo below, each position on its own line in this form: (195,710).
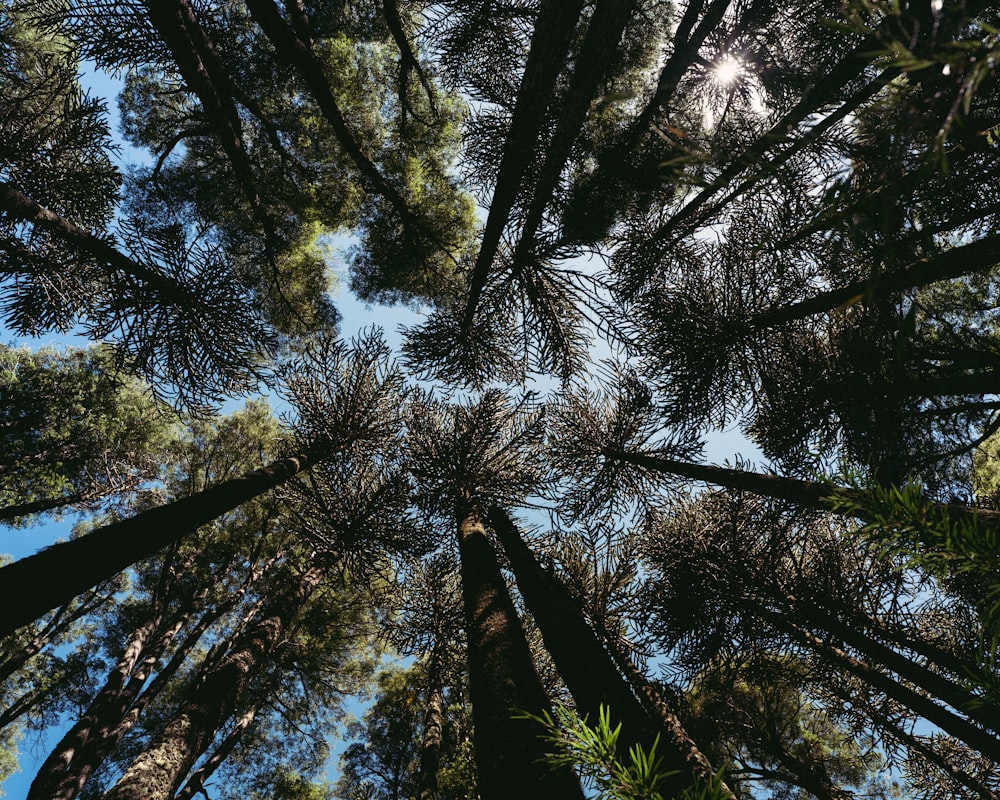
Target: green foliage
(74,430)
(383,762)
(755,717)
(591,751)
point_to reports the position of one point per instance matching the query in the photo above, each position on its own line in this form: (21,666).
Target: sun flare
(727,70)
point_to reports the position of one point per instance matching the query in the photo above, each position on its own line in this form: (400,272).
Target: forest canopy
(625,228)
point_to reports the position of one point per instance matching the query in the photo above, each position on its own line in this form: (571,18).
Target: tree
(589,672)
(780,217)
(77,432)
(465,457)
(387,761)
(342,399)
(174,600)
(796,585)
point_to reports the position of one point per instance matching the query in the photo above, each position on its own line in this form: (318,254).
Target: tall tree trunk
(973,706)
(604,31)
(159,770)
(54,576)
(72,761)
(430,748)
(502,681)
(588,670)
(196,783)
(550,42)
(811,494)
(976,738)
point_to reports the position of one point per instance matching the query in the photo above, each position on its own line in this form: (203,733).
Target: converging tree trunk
(430,748)
(125,695)
(159,770)
(589,671)
(54,576)
(811,494)
(918,703)
(84,746)
(503,681)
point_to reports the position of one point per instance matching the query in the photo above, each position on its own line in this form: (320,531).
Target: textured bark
(430,749)
(588,670)
(54,576)
(159,770)
(502,681)
(196,782)
(83,747)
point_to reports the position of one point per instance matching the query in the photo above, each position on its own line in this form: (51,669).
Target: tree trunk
(503,681)
(159,770)
(811,494)
(430,749)
(604,31)
(72,761)
(979,740)
(205,75)
(975,707)
(550,42)
(954,263)
(36,584)
(196,782)
(588,670)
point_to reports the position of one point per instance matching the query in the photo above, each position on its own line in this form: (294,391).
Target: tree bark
(430,749)
(503,681)
(83,747)
(36,584)
(196,782)
(158,771)
(588,670)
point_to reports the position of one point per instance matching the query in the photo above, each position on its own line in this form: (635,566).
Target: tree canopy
(627,228)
